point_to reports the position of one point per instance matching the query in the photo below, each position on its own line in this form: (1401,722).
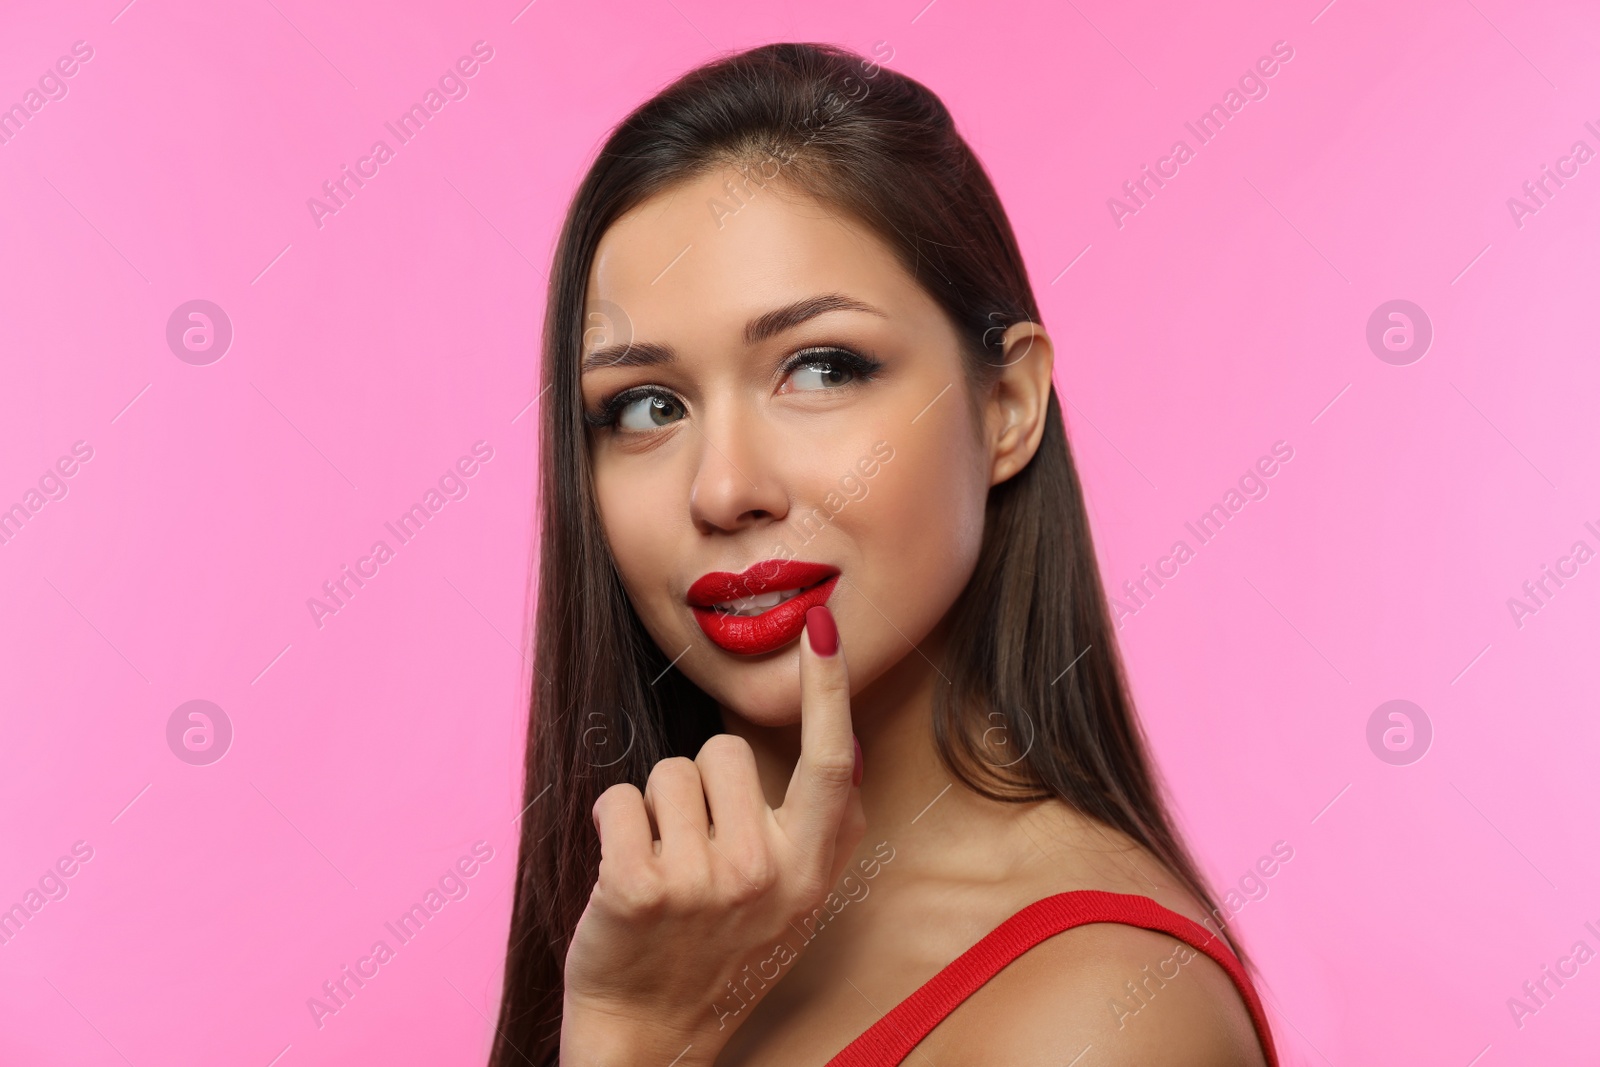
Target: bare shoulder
(1110,993)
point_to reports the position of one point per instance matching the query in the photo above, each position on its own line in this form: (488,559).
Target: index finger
(820,788)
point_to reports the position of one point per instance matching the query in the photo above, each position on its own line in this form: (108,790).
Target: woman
(805,476)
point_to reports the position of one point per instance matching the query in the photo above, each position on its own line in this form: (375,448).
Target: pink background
(368,354)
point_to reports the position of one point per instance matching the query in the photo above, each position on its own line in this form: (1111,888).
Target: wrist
(595,1035)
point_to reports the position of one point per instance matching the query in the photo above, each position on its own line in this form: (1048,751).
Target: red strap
(890,1040)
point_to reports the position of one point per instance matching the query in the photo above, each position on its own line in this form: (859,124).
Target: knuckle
(673,769)
(834,769)
(725,750)
(634,892)
(755,874)
(741,892)
(620,795)
(835,686)
(644,896)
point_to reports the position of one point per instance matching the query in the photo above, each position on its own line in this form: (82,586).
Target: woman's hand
(699,879)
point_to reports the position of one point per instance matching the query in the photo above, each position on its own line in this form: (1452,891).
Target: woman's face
(785,391)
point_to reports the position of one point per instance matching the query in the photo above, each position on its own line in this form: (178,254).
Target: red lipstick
(751,635)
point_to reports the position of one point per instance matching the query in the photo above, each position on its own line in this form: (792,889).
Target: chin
(765,693)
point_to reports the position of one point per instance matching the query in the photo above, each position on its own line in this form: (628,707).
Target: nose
(736,483)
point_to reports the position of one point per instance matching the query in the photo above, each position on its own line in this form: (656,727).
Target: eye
(649,411)
(828,368)
(821,375)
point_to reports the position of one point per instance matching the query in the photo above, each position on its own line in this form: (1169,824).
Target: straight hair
(1031,648)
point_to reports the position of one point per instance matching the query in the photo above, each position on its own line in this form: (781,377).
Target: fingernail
(855,779)
(821,631)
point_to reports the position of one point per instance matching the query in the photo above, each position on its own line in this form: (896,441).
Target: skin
(744,452)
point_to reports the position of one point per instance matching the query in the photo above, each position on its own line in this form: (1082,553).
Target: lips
(772,628)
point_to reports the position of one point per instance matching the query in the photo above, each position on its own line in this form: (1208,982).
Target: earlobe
(1019,399)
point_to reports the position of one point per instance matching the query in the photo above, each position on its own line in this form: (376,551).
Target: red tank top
(890,1040)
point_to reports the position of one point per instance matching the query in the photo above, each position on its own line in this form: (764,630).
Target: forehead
(695,263)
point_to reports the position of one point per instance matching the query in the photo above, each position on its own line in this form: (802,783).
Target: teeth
(755,605)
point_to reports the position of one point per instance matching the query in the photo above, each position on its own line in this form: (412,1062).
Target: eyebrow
(766,325)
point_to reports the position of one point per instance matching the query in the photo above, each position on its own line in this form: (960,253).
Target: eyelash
(865,367)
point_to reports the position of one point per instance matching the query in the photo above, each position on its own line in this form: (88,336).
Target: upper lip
(767,575)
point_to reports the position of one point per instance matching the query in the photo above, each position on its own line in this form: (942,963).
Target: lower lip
(751,635)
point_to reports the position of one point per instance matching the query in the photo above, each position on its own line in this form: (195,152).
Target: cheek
(636,514)
(919,530)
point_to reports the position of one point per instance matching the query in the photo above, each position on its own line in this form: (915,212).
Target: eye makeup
(862,367)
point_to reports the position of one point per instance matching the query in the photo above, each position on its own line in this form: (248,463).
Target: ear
(1018,400)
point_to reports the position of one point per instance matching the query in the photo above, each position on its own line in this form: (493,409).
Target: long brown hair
(605,707)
